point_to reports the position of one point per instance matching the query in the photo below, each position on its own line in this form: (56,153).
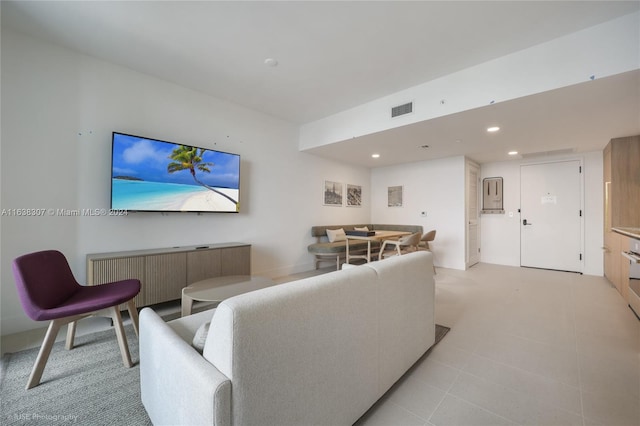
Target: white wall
(500,234)
(58,111)
(437,187)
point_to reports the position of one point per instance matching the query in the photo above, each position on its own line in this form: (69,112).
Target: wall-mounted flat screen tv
(159,176)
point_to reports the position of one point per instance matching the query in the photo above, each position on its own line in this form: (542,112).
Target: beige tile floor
(526,347)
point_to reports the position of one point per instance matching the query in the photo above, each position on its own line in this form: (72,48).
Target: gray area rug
(85,386)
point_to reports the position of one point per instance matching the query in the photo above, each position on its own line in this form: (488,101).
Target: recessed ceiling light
(271,62)
(513,152)
(493,129)
(375,155)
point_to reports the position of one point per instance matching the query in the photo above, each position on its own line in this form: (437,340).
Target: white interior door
(473,228)
(551,216)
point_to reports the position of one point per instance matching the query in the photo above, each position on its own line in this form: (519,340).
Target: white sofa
(318,351)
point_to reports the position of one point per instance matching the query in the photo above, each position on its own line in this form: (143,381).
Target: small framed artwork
(354,195)
(394,196)
(332,195)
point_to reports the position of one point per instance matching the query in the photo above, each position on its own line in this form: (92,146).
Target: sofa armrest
(178,386)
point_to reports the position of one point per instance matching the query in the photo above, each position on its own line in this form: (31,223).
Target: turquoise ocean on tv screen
(142,195)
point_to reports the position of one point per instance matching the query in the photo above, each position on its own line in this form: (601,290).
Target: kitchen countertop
(628,231)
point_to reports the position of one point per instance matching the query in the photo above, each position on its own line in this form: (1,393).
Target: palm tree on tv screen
(190,158)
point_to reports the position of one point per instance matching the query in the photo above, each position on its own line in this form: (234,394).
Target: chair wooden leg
(133,313)
(122,338)
(71,334)
(43,355)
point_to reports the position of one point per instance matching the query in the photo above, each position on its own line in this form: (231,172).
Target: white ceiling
(578,118)
(336,55)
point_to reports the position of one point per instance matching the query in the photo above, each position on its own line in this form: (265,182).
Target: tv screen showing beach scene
(159,176)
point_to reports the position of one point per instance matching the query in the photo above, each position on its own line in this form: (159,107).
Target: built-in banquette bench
(326,251)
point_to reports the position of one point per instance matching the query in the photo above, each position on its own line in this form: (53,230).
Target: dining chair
(48,291)
(424,243)
(426,239)
(403,245)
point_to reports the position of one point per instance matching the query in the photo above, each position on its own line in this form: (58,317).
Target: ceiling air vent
(402,109)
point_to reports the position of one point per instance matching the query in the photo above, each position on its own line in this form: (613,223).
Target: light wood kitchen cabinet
(164,272)
(616,266)
(622,182)
(611,257)
(621,173)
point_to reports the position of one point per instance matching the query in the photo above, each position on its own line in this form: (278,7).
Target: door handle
(525,223)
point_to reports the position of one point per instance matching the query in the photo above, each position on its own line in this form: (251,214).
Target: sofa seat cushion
(340,247)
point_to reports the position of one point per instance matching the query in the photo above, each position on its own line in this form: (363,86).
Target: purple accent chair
(48,291)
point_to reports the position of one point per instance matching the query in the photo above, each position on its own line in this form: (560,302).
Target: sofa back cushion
(336,235)
(321,231)
(406,303)
(322,350)
(308,344)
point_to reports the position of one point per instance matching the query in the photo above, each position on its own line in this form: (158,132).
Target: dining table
(380,235)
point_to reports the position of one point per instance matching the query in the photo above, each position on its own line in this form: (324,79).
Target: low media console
(165,272)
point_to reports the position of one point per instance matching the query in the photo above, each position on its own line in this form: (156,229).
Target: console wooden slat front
(203,264)
(165,276)
(232,261)
(164,272)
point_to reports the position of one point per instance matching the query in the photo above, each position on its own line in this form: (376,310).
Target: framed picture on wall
(354,195)
(394,196)
(332,195)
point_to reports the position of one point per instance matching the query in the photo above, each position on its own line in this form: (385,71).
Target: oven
(633,256)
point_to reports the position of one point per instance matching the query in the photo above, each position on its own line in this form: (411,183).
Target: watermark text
(58,212)
(50,418)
